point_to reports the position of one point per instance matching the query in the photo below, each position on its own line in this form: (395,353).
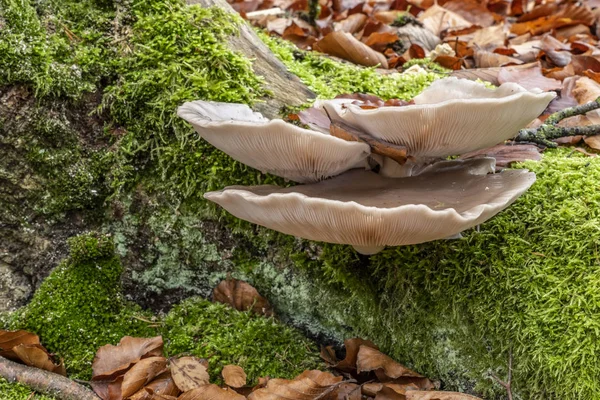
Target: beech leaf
(189,373)
(11,339)
(210,392)
(141,374)
(234,376)
(370,359)
(111,361)
(241,296)
(344,45)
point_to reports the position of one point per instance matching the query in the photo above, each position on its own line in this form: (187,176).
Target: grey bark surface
(286,88)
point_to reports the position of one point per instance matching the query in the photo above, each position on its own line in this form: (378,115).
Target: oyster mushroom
(369,211)
(451,117)
(273,146)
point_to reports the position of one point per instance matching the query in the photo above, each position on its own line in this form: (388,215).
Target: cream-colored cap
(369,211)
(273,146)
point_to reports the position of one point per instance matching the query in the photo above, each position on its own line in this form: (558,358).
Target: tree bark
(44,381)
(287,89)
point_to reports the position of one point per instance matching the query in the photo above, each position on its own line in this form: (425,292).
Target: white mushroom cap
(452,116)
(369,211)
(273,146)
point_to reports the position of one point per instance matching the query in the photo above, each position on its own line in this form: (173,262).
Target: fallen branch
(543,134)
(572,111)
(44,381)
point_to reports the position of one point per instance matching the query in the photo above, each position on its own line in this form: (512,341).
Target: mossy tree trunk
(286,89)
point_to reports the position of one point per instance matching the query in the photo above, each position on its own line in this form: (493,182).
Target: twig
(548,130)
(44,381)
(572,111)
(507,384)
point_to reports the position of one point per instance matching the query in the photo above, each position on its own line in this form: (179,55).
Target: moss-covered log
(527,280)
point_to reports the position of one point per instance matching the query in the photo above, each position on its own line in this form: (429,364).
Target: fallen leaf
(234,376)
(307,386)
(111,361)
(162,385)
(348,364)
(585,152)
(568,140)
(556,51)
(437,395)
(472,10)
(370,359)
(380,41)
(505,155)
(346,46)
(10,339)
(141,374)
(437,19)
(529,76)
(593,142)
(241,296)
(34,355)
(210,392)
(189,373)
(486,59)
(352,24)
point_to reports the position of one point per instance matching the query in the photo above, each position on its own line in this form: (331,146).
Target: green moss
(52,47)
(528,280)
(328,78)
(79,307)
(262,346)
(178,53)
(16,391)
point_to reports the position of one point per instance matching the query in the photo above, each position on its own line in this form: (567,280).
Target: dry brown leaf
(348,364)
(34,355)
(141,374)
(593,142)
(234,376)
(473,11)
(486,59)
(352,24)
(485,74)
(379,41)
(10,339)
(369,359)
(568,140)
(307,386)
(242,296)
(454,63)
(189,373)
(346,391)
(505,155)
(529,76)
(387,17)
(346,46)
(556,51)
(437,19)
(111,361)
(585,152)
(162,385)
(210,392)
(436,395)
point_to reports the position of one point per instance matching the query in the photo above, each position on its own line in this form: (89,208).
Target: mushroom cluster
(416,195)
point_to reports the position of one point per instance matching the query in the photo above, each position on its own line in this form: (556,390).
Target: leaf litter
(136,369)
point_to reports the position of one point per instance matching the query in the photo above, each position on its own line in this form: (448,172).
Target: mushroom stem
(368,250)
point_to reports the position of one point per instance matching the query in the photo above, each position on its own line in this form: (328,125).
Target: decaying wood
(286,88)
(44,381)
